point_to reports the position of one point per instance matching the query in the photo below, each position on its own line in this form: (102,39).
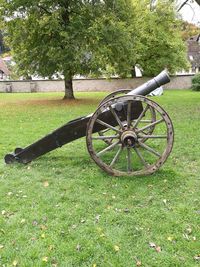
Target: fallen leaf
(138,263)
(102,235)
(94,265)
(1,246)
(97,218)
(165,201)
(43,235)
(3,212)
(78,247)
(197,257)
(15,263)
(113,197)
(152,245)
(82,220)
(126,210)
(45,259)
(23,221)
(2,231)
(45,183)
(10,193)
(189,230)
(116,248)
(43,227)
(34,223)
(170,238)
(158,249)
(51,247)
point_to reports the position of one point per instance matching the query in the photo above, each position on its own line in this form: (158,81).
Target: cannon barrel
(77,128)
(152,84)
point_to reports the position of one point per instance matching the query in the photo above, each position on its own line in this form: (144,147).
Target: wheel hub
(129,138)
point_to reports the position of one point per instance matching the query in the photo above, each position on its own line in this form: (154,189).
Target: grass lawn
(62,210)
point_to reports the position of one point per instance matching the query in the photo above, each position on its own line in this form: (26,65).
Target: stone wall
(177,82)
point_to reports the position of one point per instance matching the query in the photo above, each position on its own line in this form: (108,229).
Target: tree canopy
(162,44)
(85,37)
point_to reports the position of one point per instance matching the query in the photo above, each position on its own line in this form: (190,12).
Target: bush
(196,82)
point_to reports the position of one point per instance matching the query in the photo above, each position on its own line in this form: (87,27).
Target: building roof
(3,67)
(194,50)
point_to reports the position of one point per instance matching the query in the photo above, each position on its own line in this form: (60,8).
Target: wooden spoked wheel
(117,93)
(123,92)
(127,154)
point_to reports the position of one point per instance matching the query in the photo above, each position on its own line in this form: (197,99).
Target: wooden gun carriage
(128,134)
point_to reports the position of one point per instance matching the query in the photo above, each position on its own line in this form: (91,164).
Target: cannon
(128,134)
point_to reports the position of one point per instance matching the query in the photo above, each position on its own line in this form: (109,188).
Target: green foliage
(188,30)
(93,37)
(71,37)
(162,45)
(59,223)
(196,82)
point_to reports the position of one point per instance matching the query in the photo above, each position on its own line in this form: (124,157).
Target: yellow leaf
(94,265)
(45,259)
(1,246)
(3,212)
(116,248)
(43,235)
(45,183)
(15,263)
(170,238)
(43,227)
(51,247)
(23,221)
(102,235)
(138,263)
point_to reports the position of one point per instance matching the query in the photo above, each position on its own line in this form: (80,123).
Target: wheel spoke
(145,121)
(140,117)
(149,149)
(108,125)
(129,114)
(129,159)
(116,117)
(116,156)
(150,125)
(107,149)
(140,157)
(104,131)
(153,136)
(105,137)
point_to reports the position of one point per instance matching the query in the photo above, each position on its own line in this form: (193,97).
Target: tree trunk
(69,94)
(133,72)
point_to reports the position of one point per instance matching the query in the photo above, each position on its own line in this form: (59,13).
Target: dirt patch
(51,102)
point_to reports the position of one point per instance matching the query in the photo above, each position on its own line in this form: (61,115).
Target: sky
(191,12)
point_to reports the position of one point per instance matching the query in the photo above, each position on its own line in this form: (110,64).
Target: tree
(188,30)
(62,37)
(162,43)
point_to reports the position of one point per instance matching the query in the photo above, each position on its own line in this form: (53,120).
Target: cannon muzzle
(152,84)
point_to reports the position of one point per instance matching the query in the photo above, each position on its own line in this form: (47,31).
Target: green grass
(80,218)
